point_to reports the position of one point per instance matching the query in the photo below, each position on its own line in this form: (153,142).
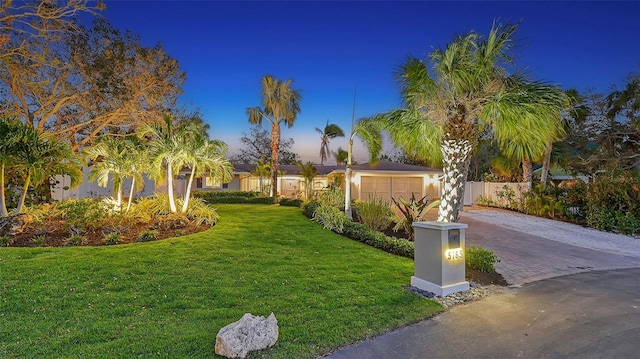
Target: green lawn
(169,298)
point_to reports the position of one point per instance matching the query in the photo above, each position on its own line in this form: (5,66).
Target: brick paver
(526,258)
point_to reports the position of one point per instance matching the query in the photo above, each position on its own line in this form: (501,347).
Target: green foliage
(5,241)
(544,201)
(333,197)
(75,240)
(506,195)
(412,211)
(375,213)
(362,233)
(201,213)
(309,208)
(330,218)
(291,202)
(483,200)
(147,236)
(83,213)
(112,239)
(481,259)
(233,197)
(38,241)
(614,202)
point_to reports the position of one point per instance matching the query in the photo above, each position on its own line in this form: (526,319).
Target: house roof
(323,170)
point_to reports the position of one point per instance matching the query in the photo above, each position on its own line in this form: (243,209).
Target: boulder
(250,333)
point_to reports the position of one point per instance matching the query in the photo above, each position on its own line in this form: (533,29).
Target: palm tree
(168,150)
(9,131)
(308,171)
(118,158)
(330,131)
(280,103)
(41,155)
(205,156)
(341,156)
(263,169)
(469,90)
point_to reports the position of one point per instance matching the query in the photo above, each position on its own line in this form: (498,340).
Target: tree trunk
(25,188)
(187,195)
(3,202)
(133,185)
(275,145)
(455,164)
(119,195)
(527,170)
(172,202)
(546,164)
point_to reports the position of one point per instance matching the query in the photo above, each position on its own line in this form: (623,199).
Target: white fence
(493,191)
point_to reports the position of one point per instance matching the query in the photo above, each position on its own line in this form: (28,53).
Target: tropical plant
(330,218)
(280,103)
(308,172)
(118,158)
(9,137)
(413,211)
(168,149)
(469,90)
(375,213)
(41,155)
(330,131)
(205,156)
(263,169)
(341,156)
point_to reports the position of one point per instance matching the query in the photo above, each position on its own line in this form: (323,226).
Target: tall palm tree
(205,156)
(41,155)
(469,89)
(280,103)
(330,131)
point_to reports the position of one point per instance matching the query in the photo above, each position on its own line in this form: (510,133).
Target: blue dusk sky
(330,49)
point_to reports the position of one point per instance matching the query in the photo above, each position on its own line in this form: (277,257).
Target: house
(385,180)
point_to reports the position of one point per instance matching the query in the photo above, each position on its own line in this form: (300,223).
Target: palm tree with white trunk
(467,90)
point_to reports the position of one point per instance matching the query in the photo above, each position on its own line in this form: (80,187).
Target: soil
(55,234)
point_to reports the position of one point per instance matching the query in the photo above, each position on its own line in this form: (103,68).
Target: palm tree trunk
(3,202)
(23,196)
(187,195)
(527,170)
(546,164)
(455,164)
(133,185)
(172,202)
(119,195)
(275,145)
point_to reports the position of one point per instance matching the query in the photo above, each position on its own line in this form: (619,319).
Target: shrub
(330,218)
(83,213)
(148,236)
(375,212)
(5,241)
(362,233)
(75,240)
(483,200)
(309,208)
(291,202)
(481,259)
(201,213)
(112,238)
(333,197)
(614,202)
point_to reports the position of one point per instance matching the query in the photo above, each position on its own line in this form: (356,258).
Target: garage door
(384,187)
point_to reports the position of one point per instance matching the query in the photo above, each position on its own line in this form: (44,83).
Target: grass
(169,298)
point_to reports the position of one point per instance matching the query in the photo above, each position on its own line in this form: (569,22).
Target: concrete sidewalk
(575,294)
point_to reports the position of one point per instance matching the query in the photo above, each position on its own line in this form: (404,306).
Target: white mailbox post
(439,257)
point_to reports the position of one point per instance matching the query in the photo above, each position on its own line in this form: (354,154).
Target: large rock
(250,333)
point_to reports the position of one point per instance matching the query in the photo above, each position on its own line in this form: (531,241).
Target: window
(213,182)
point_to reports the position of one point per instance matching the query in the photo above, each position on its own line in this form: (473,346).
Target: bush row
(210,195)
(238,200)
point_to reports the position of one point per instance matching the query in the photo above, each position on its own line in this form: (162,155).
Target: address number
(452,254)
